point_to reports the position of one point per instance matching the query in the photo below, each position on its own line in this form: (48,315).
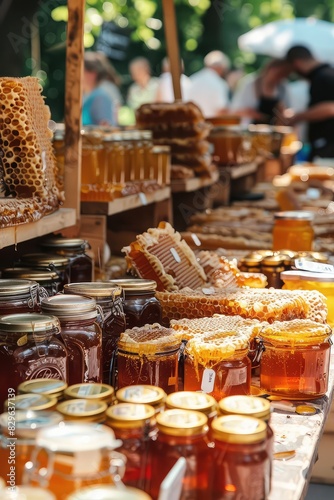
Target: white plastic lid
(307,276)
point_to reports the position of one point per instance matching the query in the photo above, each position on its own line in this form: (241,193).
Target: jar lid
(307,276)
(254,260)
(160,149)
(29,323)
(295,332)
(86,409)
(294,215)
(135,285)
(129,415)
(32,274)
(92,391)
(178,422)
(32,402)
(70,307)
(75,437)
(27,493)
(105,492)
(191,400)
(93,289)
(239,429)
(273,260)
(28,423)
(45,260)
(147,394)
(149,340)
(245,405)
(48,386)
(316,256)
(10,287)
(64,243)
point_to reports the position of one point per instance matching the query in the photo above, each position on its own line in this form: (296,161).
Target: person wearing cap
(208,88)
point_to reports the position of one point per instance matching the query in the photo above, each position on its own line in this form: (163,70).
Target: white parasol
(276,38)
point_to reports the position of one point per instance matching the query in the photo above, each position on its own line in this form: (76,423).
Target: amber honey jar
(92,157)
(80,333)
(143,394)
(241,463)
(135,425)
(110,316)
(295,360)
(271,267)
(148,355)
(82,410)
(93,392)
(105,492)
(49,280)
(32,402)
(18,434)
(196,401)
(218,365)
(30,348)
(20,296)
(44,386)
(75,456)
(141,307)
(182,433)
(58,264)
(160,164)
(293,231)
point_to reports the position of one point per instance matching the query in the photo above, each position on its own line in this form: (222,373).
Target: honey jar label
(208,380)
(237,376)
(315,267)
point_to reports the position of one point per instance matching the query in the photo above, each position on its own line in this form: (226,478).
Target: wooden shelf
(193,184)
(238,171)
(64,217)
(126,203)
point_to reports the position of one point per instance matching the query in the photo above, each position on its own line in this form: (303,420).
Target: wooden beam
(172,44)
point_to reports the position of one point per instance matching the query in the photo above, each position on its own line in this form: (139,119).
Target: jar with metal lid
(135,425)
(49,280)
(295,360)
(44,386)
(218,365)
(251,263)
(182,433)
(82,410)
(108,493)
(18,434)
(110,317)
(272,267)
(20,296)
(81,265)
(92,392)
(32,402)
(57,264)
(27,493)
(114,157)
(141,307)
(80,333)
(143,394)
(293,231)
(241,465)
(196,401)
(160,164)
(148,354)
(71,456)
(92,157)
(30,348)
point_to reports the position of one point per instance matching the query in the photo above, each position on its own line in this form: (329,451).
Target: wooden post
(172,44)
(73,103)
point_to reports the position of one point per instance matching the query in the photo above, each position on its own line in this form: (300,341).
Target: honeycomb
(28,162)
(317,303)
(298,331)
(149,340)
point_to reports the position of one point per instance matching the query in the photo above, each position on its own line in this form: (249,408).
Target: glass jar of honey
(182,433)
(49,280)
(71,456)
(148,355)
(92,157)
(272,267)
(32,402)
(218,365)
(293,231)
(18,434)
(48,262)
(241,463)
(143,394)
(196,401)
(141,307)
(93,392)
(160,164)
(108,493)
(44,386)
(135,425)
(295,360)
(80,333)
(20,296)
(29,348)
(81,266)
(111,316)
(82,410)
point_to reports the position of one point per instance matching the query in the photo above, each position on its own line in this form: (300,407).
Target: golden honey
(293,231)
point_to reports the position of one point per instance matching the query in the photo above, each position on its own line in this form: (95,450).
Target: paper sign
(208,380)
(171,486)
(316,267)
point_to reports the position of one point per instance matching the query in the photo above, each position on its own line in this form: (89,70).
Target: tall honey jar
(110,316)
(135,425)
(20,296)
(17,439)
(182,433)
(272,267)
(80,333)
(293,231)
(92,157)
(148,355)
(295,360)
(241,463)
(105,492)
(143,394)
(75,456)
(30,348)
(141,307)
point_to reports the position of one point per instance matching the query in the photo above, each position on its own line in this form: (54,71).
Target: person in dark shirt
(320,112)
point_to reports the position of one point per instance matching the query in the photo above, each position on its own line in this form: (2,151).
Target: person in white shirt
(165,91)
(208,88)
(144,86)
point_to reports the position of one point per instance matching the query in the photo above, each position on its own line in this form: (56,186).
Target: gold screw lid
(10,287)
(245,405)
(239,429)
(28,423)
(294,215)
(92,391)
(134,285)
(77,409)
(274,261)
(70,307)
(52,387)
(45,260)
(32,402)
(68,243)
(129,415)
(105,492)
(191,400)
(93,289)
(38,275)
(179,422)
(29,323)
(147,394)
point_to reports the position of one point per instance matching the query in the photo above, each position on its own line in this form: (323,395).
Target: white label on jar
(236,376)
(208,380)
(315,267)
(76,407)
